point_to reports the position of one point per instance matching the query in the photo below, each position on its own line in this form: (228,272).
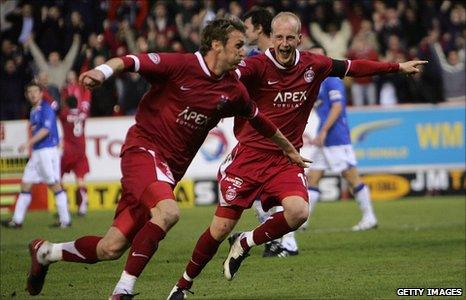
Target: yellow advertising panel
(105,195)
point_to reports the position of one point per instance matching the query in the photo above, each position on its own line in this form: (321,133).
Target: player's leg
(144,172)
(81,196)
(272,248)
(30,176)
(80,169)
(362,196)
(206,247)
(49,170)
(22,203)
(61,200)
(295,213)
(313,178)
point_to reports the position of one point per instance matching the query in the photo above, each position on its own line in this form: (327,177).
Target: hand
(297,159)
(23,147)
(91,79)
(319,140)
(409,67)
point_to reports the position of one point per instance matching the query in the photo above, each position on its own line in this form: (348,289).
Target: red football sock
(82,250)
(144,245)
(205,249)
(275,227)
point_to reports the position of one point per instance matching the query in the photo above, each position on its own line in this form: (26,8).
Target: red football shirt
(184,102)
(284,95)
(73,122)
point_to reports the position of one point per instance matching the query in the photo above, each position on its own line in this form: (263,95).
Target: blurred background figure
(73,115)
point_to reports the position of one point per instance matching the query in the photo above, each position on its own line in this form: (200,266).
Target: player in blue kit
(334,150)
(44,163)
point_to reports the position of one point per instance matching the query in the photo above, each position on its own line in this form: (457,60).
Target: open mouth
(285,52)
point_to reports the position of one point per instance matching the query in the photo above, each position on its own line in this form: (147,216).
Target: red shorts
(249,174)
(78,164)
(140,168)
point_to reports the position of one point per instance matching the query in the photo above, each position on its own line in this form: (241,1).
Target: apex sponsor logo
(191,118)
(289,99)
(237,182)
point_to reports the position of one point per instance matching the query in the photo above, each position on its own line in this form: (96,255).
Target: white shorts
(334,158)
(43,166)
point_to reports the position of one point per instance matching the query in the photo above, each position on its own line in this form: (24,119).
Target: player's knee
(110,251)
(220,231)
(298,214)
(170,216)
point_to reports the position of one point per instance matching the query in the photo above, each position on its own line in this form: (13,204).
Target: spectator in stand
(391,26)
(390,84)
(54,67)
(161,23)
(104,100)
(12,81)
(22,22)
(452,69)
(6,7)
(334,40)
(51,32)
(363,89)
(413,30)
(133,12)
(130,89)
(75,26)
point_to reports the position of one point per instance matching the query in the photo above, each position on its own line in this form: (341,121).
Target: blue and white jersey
(253,52)
(43,116)
(332,90)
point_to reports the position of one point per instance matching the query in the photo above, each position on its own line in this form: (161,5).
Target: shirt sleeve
(48,117)
(248,70)
(247,108)
(244,106)
(361,68)
(152,65)
(336,89)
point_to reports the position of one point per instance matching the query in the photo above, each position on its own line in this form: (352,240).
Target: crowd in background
(54,41)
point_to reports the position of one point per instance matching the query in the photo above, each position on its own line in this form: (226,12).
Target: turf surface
(420,242)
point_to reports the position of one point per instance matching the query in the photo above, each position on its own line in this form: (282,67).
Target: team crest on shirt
(154,57)
(309,75)
(230,194)
(242,63)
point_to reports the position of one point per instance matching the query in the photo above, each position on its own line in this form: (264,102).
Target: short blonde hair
(288,15)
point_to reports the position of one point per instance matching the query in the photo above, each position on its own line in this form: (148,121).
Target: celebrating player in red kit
(73,117)
(190,93)
(284,82)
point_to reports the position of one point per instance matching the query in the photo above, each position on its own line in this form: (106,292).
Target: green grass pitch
(420,242)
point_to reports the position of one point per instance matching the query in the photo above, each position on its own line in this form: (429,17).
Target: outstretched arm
(362,67)
(95,77)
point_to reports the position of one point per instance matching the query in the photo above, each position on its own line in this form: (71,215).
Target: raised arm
(37,54)
(72,52)
(149,65)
